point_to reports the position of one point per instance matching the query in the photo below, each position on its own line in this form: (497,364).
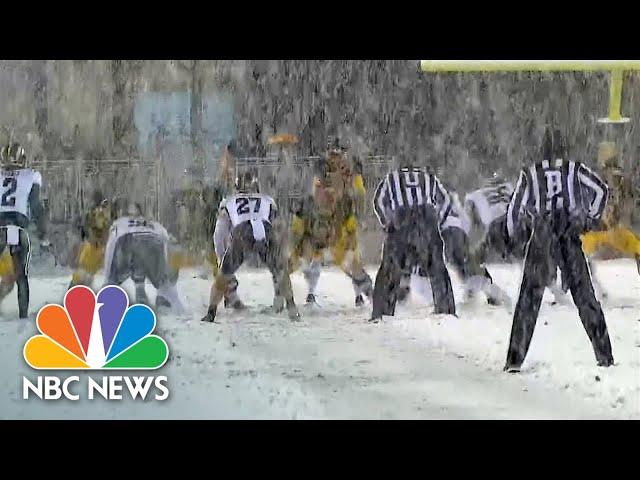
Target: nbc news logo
(96,332)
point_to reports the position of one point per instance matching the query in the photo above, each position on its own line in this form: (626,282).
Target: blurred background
(154,126)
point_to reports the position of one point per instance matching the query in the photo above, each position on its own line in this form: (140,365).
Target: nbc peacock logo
(96,332)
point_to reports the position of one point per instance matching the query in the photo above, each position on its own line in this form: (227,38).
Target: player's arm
(379,203)
(517,204)
(441,199)
(222,232)
(594,189)
(36,207)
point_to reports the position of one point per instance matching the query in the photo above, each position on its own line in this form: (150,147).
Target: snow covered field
(333,364)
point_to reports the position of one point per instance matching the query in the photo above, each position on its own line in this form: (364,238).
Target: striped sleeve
(379,202)
(595,189)
(518,201)
(441,199)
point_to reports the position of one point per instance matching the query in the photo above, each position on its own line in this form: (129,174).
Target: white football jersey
(136,226)
(255,208)
(15,187)
(490,202)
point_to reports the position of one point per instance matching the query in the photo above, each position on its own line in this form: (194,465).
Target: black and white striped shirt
(407,188)
(557,185)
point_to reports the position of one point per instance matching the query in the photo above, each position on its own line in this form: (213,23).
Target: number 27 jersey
(249,208)
(15,187)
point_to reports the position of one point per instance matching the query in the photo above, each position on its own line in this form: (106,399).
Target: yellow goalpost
(616,69)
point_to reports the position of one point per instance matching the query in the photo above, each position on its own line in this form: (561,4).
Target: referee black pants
(555,244)
(416,241)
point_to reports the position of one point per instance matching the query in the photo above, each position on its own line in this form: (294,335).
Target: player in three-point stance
(137,249)
(244,225)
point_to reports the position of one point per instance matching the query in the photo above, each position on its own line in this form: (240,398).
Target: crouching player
(137,249)
(467,263)
(95,230)
(324,229)
(614,232)
(243,226)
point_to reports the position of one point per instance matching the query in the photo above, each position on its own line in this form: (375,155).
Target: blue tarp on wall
(164,118)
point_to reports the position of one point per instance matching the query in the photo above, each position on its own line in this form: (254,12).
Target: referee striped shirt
(557,185)
(408,188)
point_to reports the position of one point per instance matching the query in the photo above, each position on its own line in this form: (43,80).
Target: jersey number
(243,205)
(137,223)
(9,198)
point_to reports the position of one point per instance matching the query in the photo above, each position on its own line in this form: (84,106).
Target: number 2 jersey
(237,209)
(136,226)
(20,198)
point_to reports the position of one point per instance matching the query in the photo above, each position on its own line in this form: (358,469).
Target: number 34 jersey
(137,226)
(15,188)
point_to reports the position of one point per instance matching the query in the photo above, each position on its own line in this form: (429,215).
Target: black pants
(552,244)
(416,241)
(20,254)
(457,252)
(139,257)
(268,251)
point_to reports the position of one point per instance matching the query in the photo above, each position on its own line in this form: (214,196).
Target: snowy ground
(333,364)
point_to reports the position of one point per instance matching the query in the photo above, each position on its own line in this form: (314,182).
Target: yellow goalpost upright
(616,68)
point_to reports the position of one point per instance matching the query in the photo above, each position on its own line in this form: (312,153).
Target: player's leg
(535,279)
(272,254)
(242,238)
(139,260)
(559,296)
(21,255)
(149,254)
(457,253)
(404,287)
(175,262)
(589,309)
(346,254)
(415,281)
(361,282)
(231,298)
(89,263)
(312,275)
(558,289)
(80,276)
(167,292)
(120,268)
(475,275)
(351,263)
